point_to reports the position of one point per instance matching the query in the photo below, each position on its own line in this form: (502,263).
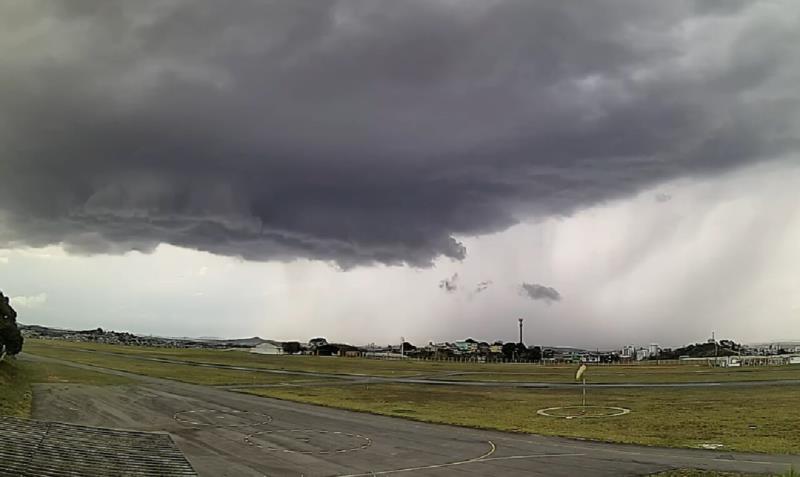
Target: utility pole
(520,330)
(716,352)
(402,347)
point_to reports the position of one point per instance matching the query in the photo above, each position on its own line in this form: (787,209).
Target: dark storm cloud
(449,285)
(534,291)
(370,131)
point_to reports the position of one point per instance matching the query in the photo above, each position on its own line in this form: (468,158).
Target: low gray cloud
(32,301)
(449,285)
(534,291)
(362,132)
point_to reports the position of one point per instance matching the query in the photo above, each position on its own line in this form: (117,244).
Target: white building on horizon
(268,347)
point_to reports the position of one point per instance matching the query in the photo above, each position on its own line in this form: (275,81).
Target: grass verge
(18,377)
(751,419)
(15,390)
(713,473)
(180,372)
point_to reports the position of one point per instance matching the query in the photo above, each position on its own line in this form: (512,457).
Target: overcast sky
(614,172)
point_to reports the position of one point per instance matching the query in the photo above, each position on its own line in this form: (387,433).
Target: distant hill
(237,342)
(114,337)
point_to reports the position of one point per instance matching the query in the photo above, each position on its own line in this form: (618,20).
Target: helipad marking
(366,441)
(264,418)
(614,412)
(476,460)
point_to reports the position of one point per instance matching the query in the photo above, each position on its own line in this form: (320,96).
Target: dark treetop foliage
(10,337)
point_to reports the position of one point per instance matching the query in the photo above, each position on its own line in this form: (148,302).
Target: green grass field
(639,374)
(702,473)
(18,377)
(15,390)
(712,473)
(179,372)
(757,419)
(331,365)
(438,369)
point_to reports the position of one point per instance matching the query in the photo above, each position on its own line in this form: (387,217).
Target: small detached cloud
(534,291)
(449,285)
(482,286)
(663,197)
(32,301)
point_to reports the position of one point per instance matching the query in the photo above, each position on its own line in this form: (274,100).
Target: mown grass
(331,365)
(40,372)
(753,419)
(15,390)
(714,473)
(18,377)
(179,372)
(439,369)
(640,374)
(703,473)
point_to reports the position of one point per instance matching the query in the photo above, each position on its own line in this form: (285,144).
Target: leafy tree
(508,350)
(317,342)
(10,336)
(291,347)
(535,354)
(327,350)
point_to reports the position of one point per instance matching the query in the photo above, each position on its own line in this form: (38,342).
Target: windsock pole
(584,392)
(579,376)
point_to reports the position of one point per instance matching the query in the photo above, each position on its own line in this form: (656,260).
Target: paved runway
(226,433)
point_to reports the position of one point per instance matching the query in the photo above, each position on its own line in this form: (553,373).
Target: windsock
(579,373)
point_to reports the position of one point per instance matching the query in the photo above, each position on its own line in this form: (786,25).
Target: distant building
(590,358)
(268,347)
(628,352)
(466,346)
(642,354)
(653,349)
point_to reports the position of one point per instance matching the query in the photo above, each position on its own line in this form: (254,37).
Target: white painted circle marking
(612,411)
(191,417)
(361,442)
